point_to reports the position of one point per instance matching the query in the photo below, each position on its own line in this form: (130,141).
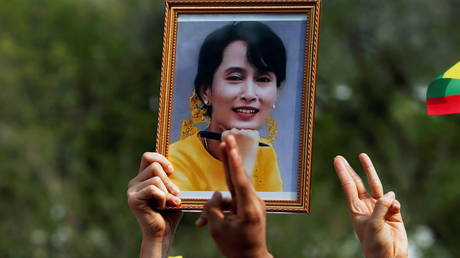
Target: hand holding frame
(152,187)
(376,217)
(241,233)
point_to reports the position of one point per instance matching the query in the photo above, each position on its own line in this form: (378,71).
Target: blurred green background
(79,84)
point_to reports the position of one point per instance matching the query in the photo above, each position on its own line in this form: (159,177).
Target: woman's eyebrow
(264,72)
(235,69)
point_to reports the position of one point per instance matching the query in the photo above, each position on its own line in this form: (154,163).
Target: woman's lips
(245,113)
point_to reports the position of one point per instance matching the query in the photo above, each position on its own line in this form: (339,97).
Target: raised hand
(152,187)
(376,217)
(242,232)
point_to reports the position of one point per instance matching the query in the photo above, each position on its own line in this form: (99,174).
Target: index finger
(348,184)
(150,157)
(245,193)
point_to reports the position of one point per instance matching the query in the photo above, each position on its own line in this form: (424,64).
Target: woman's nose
(249,91)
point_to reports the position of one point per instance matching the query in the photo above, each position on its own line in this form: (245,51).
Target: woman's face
(241,96)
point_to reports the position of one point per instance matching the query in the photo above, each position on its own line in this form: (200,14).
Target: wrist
(154,235)
(152,248)
(383,255)
(155,232)
(161,242)
(262,253)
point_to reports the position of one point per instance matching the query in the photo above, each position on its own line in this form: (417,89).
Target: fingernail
(171,168)
(175,200)
(388,196)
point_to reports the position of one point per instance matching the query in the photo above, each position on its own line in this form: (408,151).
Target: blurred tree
(78,80)
(79,86)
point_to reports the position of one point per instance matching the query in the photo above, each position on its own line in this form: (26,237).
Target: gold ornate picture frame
(287,132)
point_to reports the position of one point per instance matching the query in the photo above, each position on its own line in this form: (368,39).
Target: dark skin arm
(242,232)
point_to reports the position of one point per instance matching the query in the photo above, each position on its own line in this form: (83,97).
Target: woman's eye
(234,78)
(263,79)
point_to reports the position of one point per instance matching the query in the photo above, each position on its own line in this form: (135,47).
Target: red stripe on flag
(443,105)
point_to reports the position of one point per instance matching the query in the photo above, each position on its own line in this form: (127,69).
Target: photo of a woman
(240,73)
(241,67)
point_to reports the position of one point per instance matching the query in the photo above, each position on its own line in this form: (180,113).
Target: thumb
(383,206)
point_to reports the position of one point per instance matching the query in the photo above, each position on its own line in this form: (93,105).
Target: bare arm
(241,233)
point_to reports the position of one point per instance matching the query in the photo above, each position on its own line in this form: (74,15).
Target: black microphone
(218,137)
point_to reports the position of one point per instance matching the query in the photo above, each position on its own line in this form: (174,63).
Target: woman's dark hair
(265,51)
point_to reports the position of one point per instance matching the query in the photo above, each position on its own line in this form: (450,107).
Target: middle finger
(374,181)
(151,181)
(155,169)
(244,191)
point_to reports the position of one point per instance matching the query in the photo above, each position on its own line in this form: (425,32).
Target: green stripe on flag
(443,87)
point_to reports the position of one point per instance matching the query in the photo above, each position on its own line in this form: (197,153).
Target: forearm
(260,252)
(259,255)
(154,247)
(384,255)
(383,252)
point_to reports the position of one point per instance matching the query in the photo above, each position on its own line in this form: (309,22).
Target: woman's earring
(205,102)
(273,106)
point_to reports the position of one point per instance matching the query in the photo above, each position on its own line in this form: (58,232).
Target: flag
(443,95)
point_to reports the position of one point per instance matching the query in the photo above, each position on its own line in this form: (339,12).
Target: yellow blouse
(197,170)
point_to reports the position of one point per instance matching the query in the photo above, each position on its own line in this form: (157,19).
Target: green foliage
(79,82)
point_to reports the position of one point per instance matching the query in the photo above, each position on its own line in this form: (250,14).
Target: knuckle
(129,194)
(146,155)
(156,180)
(375,184)
(247,191)
(167,181)
(152,190)
(346,185)
(253,217)
(151,156)
(156,165)
(161,194)
(385,202)
(153,168)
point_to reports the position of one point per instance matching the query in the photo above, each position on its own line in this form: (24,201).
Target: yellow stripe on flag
(453,72)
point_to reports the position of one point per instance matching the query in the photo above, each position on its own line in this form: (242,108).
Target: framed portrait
(248,68)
